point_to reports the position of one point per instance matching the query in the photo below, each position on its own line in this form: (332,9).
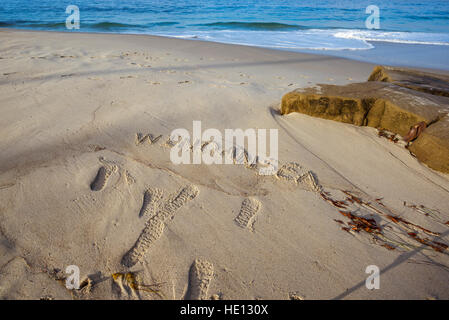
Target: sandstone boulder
(432,83)
(432,146)
(374,104)
(384,104)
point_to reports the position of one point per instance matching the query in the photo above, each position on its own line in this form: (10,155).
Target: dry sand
(73,178)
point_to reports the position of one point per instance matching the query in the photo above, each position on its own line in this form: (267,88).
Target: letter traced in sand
(151,198)
(155,226)
(293,172)
(101,179)
(309,179)
(201,274)
(141,138)
(247,213)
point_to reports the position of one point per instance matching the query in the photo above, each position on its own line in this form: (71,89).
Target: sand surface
(74,176)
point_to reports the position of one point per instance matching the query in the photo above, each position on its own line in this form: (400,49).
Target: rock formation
(432,146)
(397,102)
(435,84)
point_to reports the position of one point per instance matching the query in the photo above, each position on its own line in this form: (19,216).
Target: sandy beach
(85,163)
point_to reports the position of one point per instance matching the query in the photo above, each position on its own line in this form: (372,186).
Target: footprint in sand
(153,82)
(151,199)
(201,274)
(155,226)
(248,211)
(101,179)
(140,65)
(150,234)
(128,77)
(168,71)
(129,178)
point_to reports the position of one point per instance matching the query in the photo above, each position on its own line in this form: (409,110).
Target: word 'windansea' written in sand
(208,147)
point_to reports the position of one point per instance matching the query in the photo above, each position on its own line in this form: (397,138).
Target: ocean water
(283,24)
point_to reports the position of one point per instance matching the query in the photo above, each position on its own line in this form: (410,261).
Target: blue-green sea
(284,24)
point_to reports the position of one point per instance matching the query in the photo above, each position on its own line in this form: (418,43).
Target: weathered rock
(385,105)
(432,146)
(374,104)
(432,83)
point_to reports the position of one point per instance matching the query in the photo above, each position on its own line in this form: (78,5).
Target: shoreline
(415,55)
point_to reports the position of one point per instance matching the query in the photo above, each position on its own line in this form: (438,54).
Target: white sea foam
(395,37)
(314,39)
